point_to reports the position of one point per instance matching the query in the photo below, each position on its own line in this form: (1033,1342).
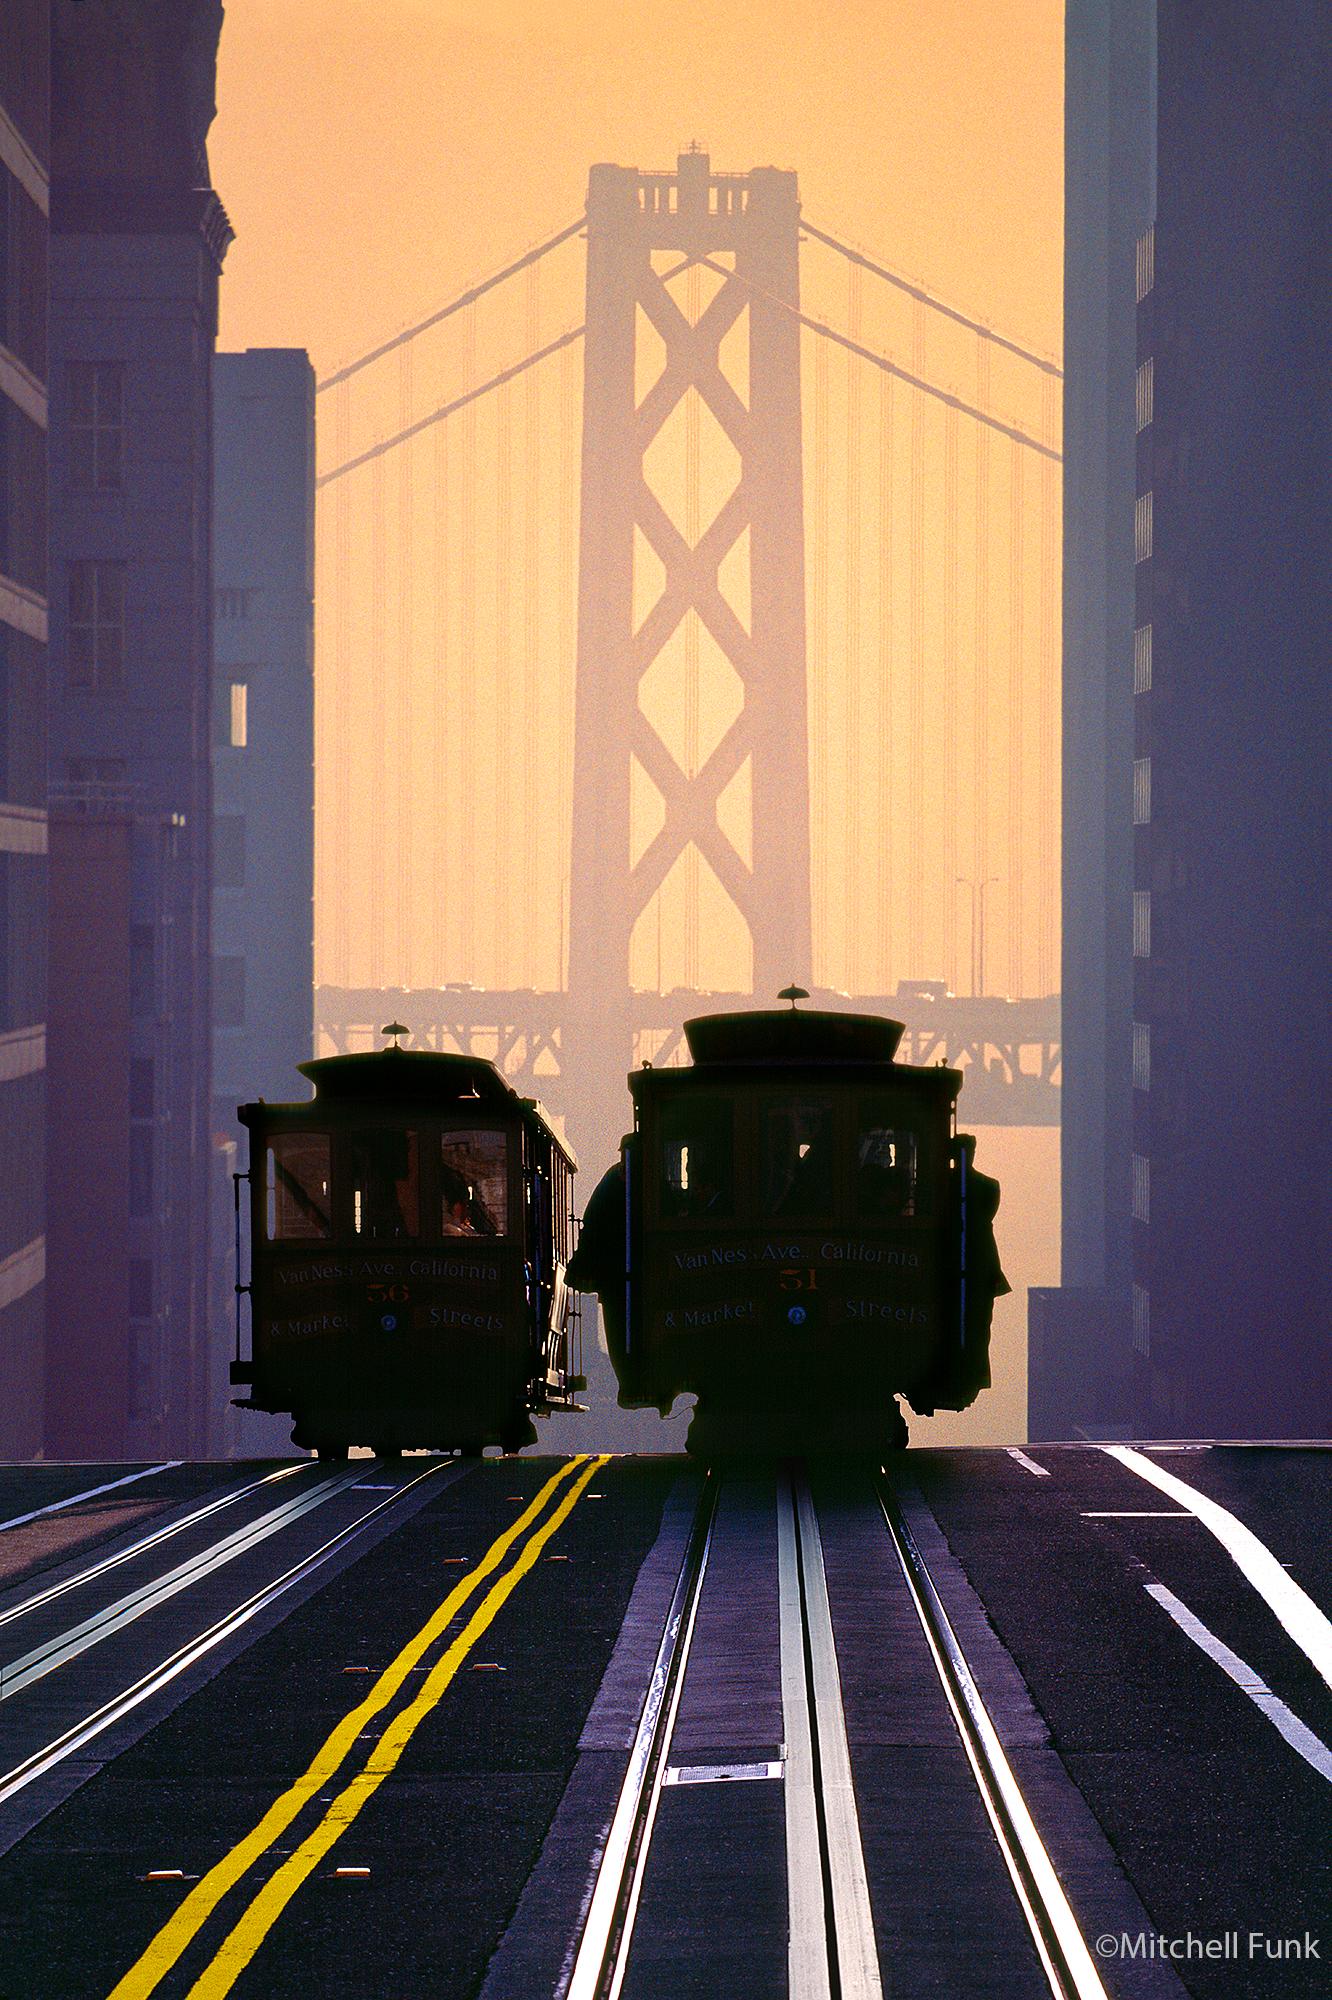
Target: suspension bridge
(719,655)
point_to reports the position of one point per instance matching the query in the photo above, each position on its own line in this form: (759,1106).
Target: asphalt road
(1169,1733)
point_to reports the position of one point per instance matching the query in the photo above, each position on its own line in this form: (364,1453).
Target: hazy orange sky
(375,155)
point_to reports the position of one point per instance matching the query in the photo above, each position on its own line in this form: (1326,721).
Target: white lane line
(807,1945)
(1041,1471)
(1307,1625)
(57,1506)
(857,1953)
(1312,1748)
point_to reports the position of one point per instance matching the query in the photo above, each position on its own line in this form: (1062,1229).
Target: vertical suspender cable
(530,817)
(853,901)
(916,682)
(501,973)
(375,844)
(950,719)
(334,694)
(693,529)
(1047,974)
(403,969)
(465,862)
(981,824)
(818,665)
(570,425)
(885,943)
(1018,831)
(440,792)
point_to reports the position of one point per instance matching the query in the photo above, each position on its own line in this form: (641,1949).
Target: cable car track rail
(94,1724)
(152,1540)
(1065,1959)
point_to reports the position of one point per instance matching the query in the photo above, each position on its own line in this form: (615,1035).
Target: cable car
(797,1234)
(409,1229)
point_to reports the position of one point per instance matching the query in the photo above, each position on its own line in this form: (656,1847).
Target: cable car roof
(419,1076)
(785,1035)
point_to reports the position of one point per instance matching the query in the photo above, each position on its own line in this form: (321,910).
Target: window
(228,992)
(697,1159)
(299,1210)
(96,425)
(1142,1055)
(1142,923)
(797,1159)
(235,603)
(1142,1321)
(1142,394)
(1142,659)
(238,720)
(1142,527)
(1142,791)
(97,626)
(141,1170)
(229,851)
(473,1183)
(1142,1189)
(141,1087)
(386,1184)
(1144,262)
(886,1168)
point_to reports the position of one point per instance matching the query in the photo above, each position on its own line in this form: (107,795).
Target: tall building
(24,206)
(1231,1170)
(263,765)
(138,237)
(1079,1373)
(1223,786)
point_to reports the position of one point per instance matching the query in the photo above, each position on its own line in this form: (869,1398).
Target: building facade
(1196,1167)
(1079,1374)
(1230,1169)
(263,764)
(24,240)
(138,237)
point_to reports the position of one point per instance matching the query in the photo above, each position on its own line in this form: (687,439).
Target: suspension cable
(1040,361)
(467,298)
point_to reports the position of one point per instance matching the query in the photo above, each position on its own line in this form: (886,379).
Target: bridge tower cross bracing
(699,219)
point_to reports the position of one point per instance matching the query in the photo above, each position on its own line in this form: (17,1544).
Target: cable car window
(797,1162)
(474,1183)
(386,1185)
(887,1177)
(297,1186)
(697,1160)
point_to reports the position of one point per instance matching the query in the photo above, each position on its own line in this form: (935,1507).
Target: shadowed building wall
(138,238)
(263,770)
(1231,1172)
(1217,803)
(24,202)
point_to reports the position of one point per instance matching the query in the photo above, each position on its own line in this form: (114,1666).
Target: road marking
(56,1506)
(800,1560)
(165,1949)
(1312,1748)
(249,1932)
(1135,1514)
(721,1774)
(1295,1609)
(1041,1471)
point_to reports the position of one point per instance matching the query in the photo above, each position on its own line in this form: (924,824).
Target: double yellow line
(269,1901)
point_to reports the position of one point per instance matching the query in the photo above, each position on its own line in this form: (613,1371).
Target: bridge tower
(742,229)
